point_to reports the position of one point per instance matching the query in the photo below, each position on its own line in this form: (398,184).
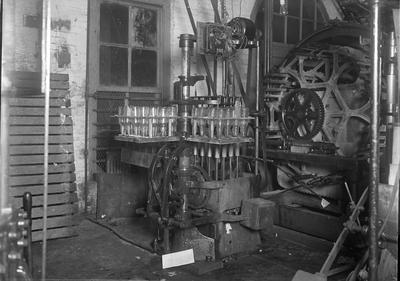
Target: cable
(120,236)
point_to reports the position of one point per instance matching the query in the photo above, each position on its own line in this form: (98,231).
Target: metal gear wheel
(302,114)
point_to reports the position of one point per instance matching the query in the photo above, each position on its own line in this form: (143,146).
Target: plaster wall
(68,55)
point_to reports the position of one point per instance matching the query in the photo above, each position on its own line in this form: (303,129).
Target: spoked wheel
(155,177)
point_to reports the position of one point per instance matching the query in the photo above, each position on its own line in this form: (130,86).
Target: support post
(374,150)
(46,90)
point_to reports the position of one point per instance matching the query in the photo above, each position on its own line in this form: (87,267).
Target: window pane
(144,27)
(308,28)
(292,30)
(113,66)
(278,27)
(308,9)
(144,68)
(114,23)
(294,8)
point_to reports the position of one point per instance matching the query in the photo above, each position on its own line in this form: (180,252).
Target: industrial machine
(326,147)
(202,191)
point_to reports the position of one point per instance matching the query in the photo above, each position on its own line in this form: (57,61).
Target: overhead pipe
(374,149)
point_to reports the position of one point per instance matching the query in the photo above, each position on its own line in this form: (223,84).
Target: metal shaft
(257,132)
(374,150)
(46,90)
(4,152)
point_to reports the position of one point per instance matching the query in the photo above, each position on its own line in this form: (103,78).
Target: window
(303,19)
(128,52)
(130,49)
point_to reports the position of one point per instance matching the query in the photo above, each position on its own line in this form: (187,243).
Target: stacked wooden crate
(26,147)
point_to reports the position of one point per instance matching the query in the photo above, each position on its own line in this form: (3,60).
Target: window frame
(301,19)
(163,48)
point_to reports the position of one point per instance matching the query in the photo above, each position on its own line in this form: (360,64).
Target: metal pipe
(27,206)
(257,131)
(46,89)
(268,35)
(374,150)
(4,149)
(87,98)
(186,43)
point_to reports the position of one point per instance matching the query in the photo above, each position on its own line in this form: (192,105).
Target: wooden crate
(26,148)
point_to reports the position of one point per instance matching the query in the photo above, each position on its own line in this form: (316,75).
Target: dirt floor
(97,253)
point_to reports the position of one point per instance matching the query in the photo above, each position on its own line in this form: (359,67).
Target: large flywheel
(339,76)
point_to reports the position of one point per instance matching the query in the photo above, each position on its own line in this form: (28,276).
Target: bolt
(12,235)
(14,255)
(22,243)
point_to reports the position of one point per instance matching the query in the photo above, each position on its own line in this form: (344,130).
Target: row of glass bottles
(147,121)
(220,122)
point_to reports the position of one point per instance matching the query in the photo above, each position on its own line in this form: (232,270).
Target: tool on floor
(326,269)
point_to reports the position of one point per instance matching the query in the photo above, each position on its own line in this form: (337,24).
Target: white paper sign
(177,258)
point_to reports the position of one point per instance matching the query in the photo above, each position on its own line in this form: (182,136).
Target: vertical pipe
(268,17)
(46,89)
(4,149)
(374,150)
(186,43)
(257,132)
(27,206)
(390,103)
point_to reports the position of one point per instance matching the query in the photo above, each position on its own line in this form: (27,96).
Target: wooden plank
(59,120)
(39,139)
(38,179)
(38,111)
(29,75)
(39,130)
(54,222)
(39,149)
(36,84)
(38,189)
(57,210)
(38,159)
(35,93)
(39,102)
(52,199)
(38,169)
(54,233)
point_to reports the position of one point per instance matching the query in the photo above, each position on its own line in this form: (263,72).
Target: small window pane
(113,66)
(114,21)
(278,29)
(144,27)
(292,30)
(294,8)
(144,68)
(308,28)
(308,9)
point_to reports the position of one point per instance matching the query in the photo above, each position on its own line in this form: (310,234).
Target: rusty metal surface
(229,195)
(203,246)
(233,238)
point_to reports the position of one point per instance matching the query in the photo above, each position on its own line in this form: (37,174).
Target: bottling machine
(201,189)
